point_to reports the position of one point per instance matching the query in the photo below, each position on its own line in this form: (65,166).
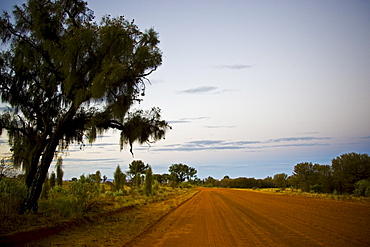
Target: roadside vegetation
(85,197)
(347,177)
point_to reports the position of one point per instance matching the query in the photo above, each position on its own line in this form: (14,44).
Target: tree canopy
(180,172)
(64,77)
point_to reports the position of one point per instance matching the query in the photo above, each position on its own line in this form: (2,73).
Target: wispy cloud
(308,133)
(186,120)
(219,126)
(198,90)
(200,145)
(289,139)
(365,137)
(206,90)
(232,66)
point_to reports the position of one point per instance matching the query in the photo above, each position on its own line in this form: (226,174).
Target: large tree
(180,172)
(305,175)
(348,169)
(63,77)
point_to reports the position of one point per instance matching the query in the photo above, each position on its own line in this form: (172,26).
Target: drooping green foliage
(65,76)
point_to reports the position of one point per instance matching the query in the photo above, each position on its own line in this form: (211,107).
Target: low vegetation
(88,196)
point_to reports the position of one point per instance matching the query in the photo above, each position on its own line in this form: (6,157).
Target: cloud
(233,66)
(200,145)
(219,127)
(198,90)
(300,145)
(186,120)
(308,133)
(365,137)
(289,139)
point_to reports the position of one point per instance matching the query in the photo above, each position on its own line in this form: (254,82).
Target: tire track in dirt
(226,217)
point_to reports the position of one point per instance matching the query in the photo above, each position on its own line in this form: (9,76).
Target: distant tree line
(348,173)
(140,174)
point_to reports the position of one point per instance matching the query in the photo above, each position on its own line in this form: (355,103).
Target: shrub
(12,194)
(77,199)
(120,193)
(362,188)
(185,185)
(60,202)
(317,188)
(148,181)
(84,190)
(155,185)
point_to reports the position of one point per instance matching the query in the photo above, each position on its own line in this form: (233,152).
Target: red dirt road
(226,217)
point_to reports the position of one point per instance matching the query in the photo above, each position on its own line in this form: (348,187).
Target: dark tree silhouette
(63,77)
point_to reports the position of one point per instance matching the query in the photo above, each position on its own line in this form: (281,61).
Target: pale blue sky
(251,88)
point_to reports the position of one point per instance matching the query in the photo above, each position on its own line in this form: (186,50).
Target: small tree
(60,172)
(45,188)
(136,169)
(148,181)
(119,178)
(97,178)
(52,179)
(281,180)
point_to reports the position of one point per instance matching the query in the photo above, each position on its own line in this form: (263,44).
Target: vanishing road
(226,217)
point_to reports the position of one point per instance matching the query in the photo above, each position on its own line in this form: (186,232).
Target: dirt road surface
(226,217)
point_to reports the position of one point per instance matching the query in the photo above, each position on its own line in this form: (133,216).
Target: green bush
(12,194)
(120,193)
(155,185)
(185,185)
(77,199)
(362,188)
(317,188)
(59,202)
(84,190)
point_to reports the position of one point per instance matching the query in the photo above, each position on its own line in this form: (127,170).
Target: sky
(250,88)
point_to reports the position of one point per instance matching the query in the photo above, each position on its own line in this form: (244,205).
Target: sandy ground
(222,217)
(227,217)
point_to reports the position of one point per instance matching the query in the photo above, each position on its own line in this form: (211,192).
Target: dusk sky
(250,88)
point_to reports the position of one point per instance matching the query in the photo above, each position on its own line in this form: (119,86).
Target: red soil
(226,217)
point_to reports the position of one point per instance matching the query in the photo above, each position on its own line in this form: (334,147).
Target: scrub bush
(362,188)
(12,194)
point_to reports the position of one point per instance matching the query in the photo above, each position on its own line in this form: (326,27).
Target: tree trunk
(47,158)
(39,179)
(31,176)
